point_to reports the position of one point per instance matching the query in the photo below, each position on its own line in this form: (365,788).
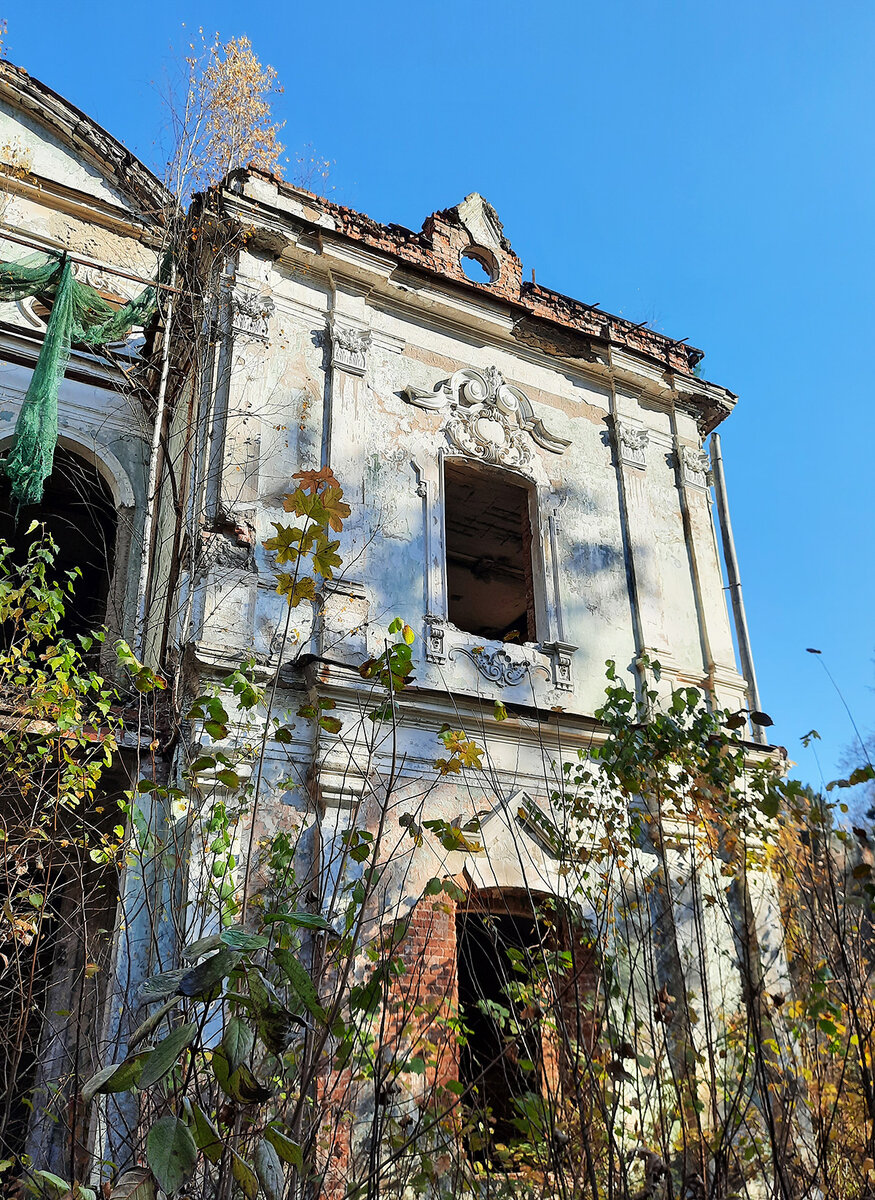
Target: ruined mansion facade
(530,490)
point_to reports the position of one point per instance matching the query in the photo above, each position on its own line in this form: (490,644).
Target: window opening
(488,535)
(477,266)
(78,511)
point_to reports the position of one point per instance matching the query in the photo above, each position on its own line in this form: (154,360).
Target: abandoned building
(530,492)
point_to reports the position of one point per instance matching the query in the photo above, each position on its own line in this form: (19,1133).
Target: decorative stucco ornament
(349,347)
(632,441)
(498,667)
(695,466)
(488,418)
(252,314)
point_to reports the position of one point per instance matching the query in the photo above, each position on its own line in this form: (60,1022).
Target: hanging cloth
(78,314)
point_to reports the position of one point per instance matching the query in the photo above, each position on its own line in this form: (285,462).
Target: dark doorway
(501,1060)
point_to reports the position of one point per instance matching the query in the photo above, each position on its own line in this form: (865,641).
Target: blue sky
(708,167)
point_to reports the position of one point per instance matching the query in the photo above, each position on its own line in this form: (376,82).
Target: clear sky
(708,167)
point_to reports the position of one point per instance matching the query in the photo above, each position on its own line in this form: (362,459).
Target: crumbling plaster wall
(620,540)
(57,198)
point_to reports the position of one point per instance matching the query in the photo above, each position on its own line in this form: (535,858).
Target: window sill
(503,664)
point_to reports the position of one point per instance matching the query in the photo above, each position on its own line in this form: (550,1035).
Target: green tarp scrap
(78,315)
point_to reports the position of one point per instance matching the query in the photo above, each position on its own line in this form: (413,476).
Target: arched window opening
(490,590)
(501,1060)
(77,510)
(479,265)
(526,989)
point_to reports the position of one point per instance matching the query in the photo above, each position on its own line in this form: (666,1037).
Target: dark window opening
(78,511)
(501,1060)
(489,554)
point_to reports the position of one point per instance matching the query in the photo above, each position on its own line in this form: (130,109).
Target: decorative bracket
(631,440)
(434,639)
(560,653)
(349,347)
(695,466)
(497,666)
(251,314)
(487,417)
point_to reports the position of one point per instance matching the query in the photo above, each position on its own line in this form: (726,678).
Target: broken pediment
(471,231)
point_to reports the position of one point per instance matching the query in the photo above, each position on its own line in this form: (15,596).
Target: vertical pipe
(152,484)
(734,582)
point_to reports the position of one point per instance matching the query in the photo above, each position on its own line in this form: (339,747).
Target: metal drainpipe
(734,583)
(152,485)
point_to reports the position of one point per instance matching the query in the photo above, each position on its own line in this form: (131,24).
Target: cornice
(302,233)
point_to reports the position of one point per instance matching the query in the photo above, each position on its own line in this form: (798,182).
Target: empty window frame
(488,532)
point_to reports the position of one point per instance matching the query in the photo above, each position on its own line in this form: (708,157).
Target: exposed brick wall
(437,247)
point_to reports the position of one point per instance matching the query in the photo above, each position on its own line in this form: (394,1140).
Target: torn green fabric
(78,315)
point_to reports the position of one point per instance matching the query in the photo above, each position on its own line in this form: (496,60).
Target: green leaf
(241,1085)
(206,762)
(301,983)
(500,711)
(119,1077)
(237,1042)
(270,1171)
(326,558)
(171,1153)
(301,920)
(161,986)
(96,1082)
(331,724)
(204,945)
(770,805)
(166,1054)
(53,1184)
(202,979)
(245,1176)
(205,1136)
(238,939)
(288,1150)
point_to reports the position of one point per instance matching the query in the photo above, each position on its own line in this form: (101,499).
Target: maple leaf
(286,542)
(447,766)
(325,559)
(311,480)
(296,589)
(302,505)
(336,507)
(470,756)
